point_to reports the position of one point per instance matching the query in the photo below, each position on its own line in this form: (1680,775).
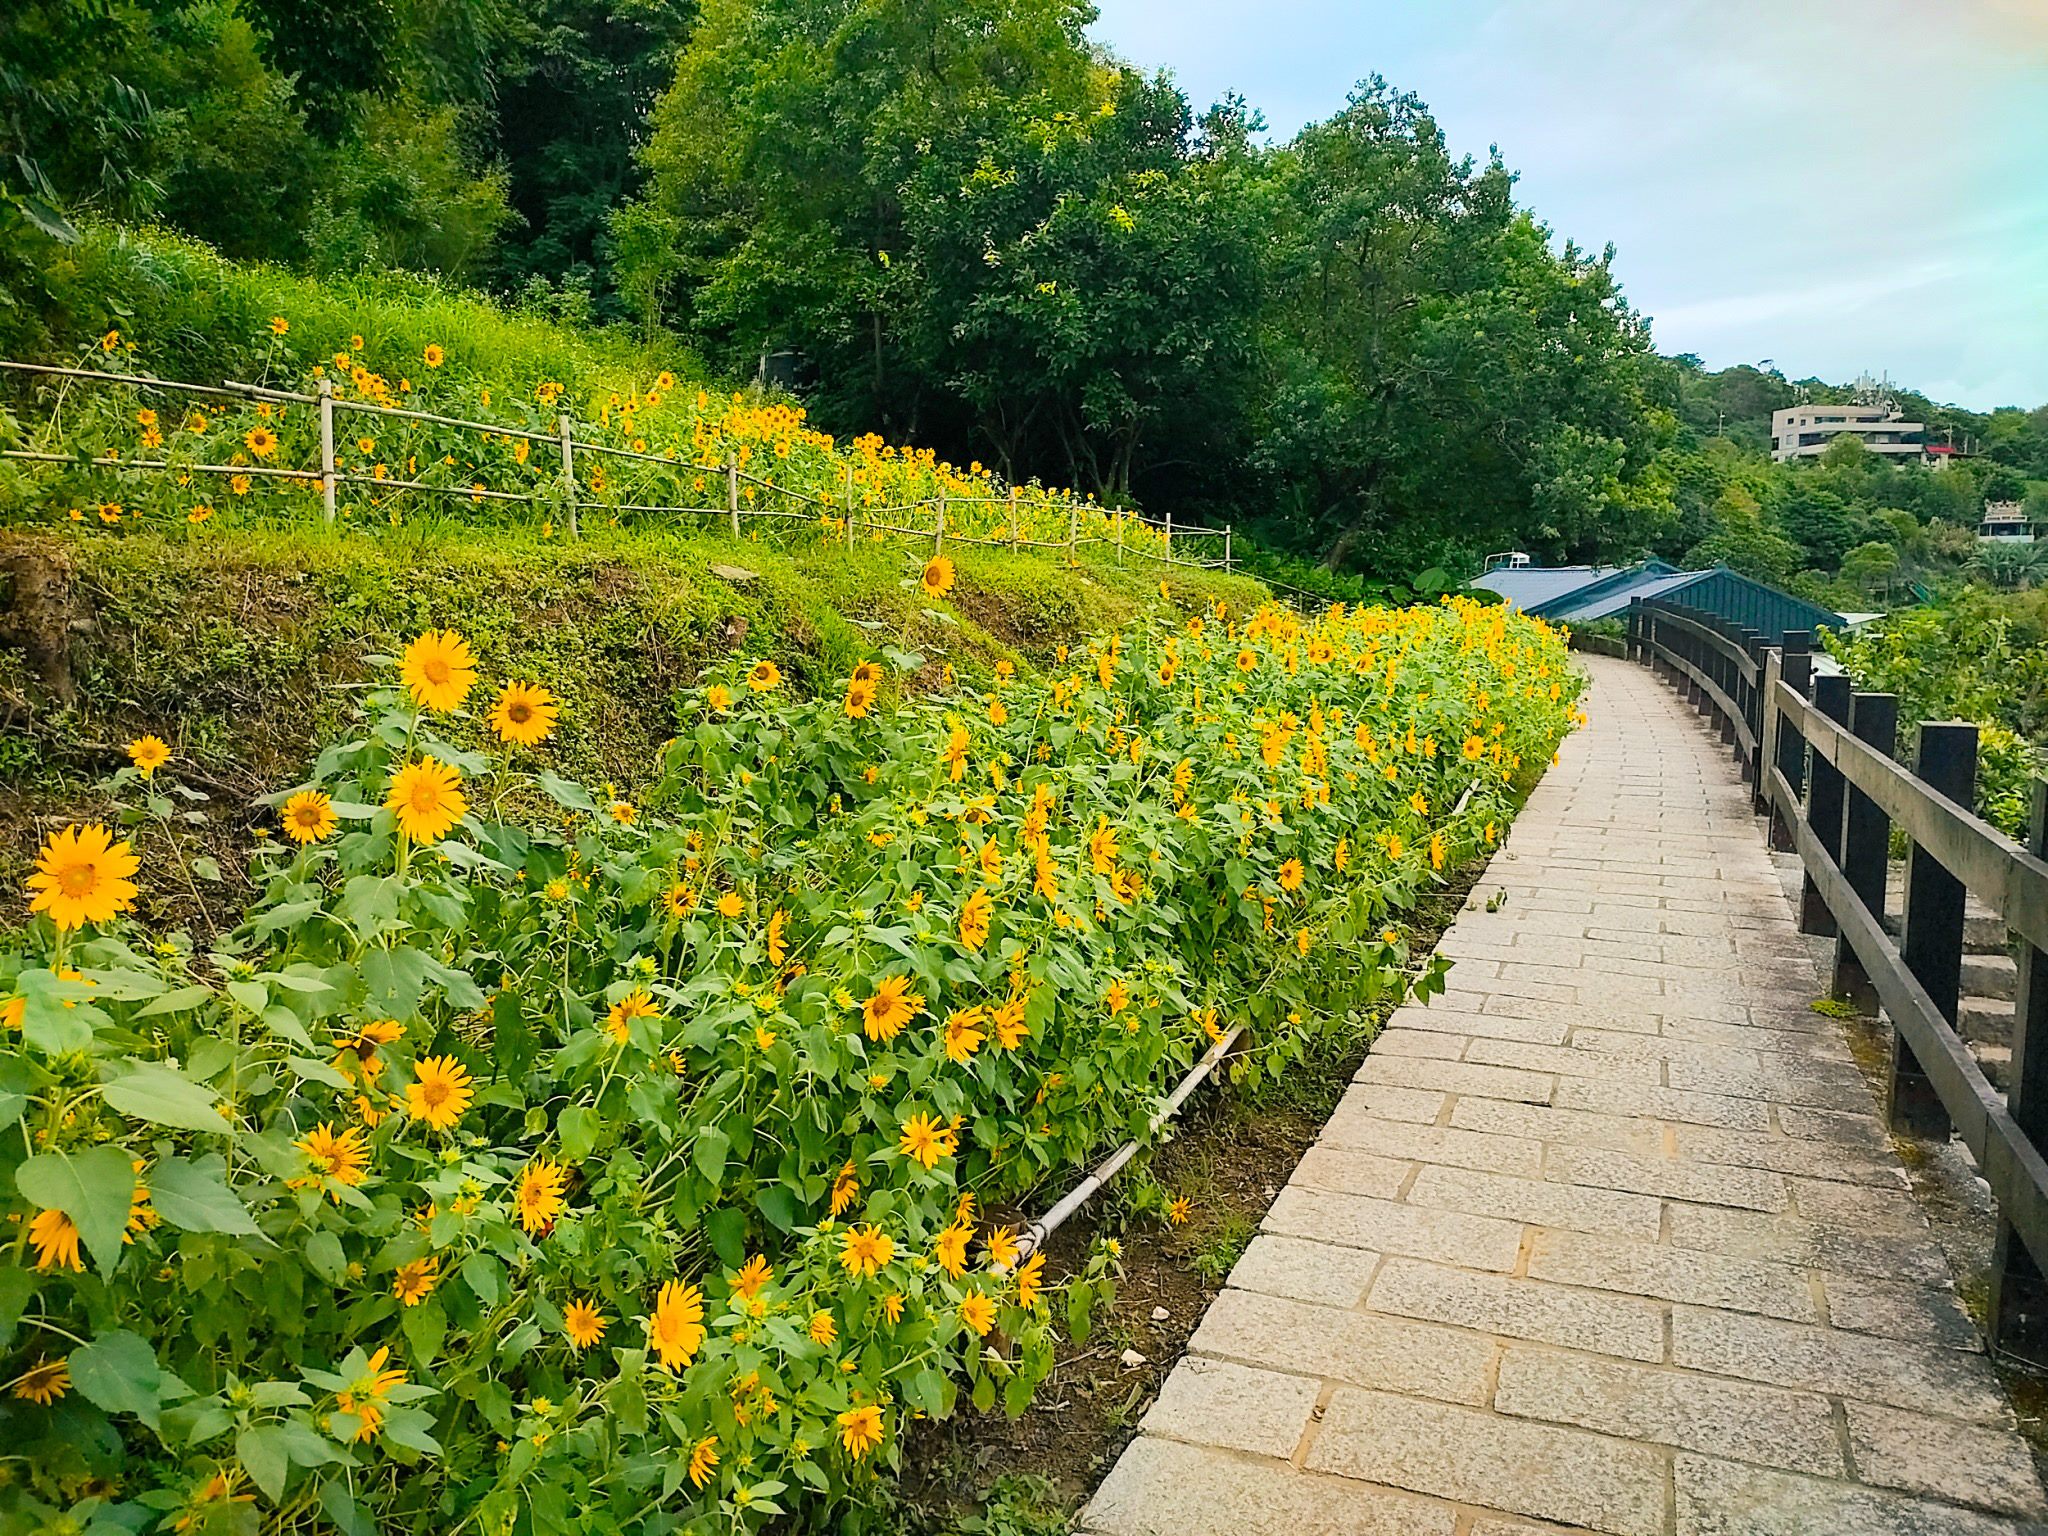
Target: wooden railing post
(1824,805)
(1119,535)
(1866,842)
(1795,669)
(732,494)
(327,450)
(1933,942)
(2019,1293)
(1226,548)
(1759,707)
(1169,538)
(568,470)
(1014,534)
(939,533)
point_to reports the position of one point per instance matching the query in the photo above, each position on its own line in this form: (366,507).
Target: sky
(1840,188)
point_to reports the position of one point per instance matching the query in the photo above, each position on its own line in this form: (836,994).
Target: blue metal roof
(1530,587)
(1610,600)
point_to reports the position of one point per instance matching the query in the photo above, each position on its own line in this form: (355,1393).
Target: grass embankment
(241,652)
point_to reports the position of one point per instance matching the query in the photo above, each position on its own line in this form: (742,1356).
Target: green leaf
(565,792)
(95,1187)
(483,1275)
(325,1257)
(579,1126)
(175,1002)
(162,1095)
(262,1454)
(710,1153)
(315,1071)
(344,1511)
(118,1372)
(777,1204)
(194,1196)
(727,1230)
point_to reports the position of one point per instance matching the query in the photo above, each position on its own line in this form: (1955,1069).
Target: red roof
(1943,448)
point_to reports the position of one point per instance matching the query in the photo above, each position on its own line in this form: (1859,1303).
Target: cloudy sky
(1843,188)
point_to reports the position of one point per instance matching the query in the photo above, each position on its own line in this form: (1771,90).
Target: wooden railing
(1821,759)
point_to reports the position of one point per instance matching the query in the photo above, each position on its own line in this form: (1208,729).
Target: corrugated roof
(1529,587)
(1610,600)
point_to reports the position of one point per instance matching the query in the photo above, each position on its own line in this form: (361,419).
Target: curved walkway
(1609,1236)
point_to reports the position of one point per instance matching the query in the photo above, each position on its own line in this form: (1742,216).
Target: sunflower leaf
(95,1187)
(164,1096)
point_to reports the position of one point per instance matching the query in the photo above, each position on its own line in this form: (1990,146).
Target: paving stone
(1967,1463)
(1213,1402)
(1441,1144)
(1487,1459)
(1326,1273)
(1541,1123)
(1725,1498)
(1792,1430)
(1859,1130)
(1662,1103)
(1360,1348)
(1785,1154)
(1752,1189)
(1520,1309)
(1449,1237)
(1924,1314)
(1488,1026)
(1886,1371)
(1861,1206)
(1566,1059)
(1792,1240)
(1673,1274)
(1162,1488)
(1379,1101)
(1456,1077)
(1421,1042)
(1814,1087)
(1537,1201)
(1352,1172)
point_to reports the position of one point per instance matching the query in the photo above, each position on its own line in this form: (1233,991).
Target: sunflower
(424,798)
(764,676)
(978,1313)
(892,1307)
(964,1033)
(754,1275)
(44,1382)
(1103,848)
(539,1197)
(583,1323)
(279,325)
(778,947)
(675,1331)
(845,1189)
(439,668)
(1030,1280)
(730,905)
(864,1250)
(344,1158)
(261,441)
(636,1004)
(824,1328)
(1247,661)
(860,697)
(434,356)
(1178,1209)
(524,714)
(148,753)
(1007,1019)
(923,1140)
(440,1092)
(703,1460)
(82,877)
(415,1281)
(955,753)
(1292,875)
(937,576)
(949,1248)
(860,1429)
(308,816)
(893,1006)
(974,919)
(55,1238)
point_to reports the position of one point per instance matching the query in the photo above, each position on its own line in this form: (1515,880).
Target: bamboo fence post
(1169,538)
(1073,531)
(1014,535)
(939,537)
(849,506)
(327,450)
(568,470)
(1226,549)
(1119,535)
(732,494)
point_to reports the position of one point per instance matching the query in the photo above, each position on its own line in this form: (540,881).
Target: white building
(2006,522)
(1804,431)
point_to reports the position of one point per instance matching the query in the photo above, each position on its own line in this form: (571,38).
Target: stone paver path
(1607,1238)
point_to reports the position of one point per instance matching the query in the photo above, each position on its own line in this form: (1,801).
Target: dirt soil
(1232,1154)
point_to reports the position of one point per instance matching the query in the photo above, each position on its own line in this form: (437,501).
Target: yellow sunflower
(439,669)
(440,1092)
(82,877)
(583,1323)
(44,1382)
(763,676)
(524,714)
(539,1196)
(675,1331)
(261,441)
(55,1239)
(860,1430)
(308,816)
(425,799)
(893,1006)
(344,1158)
(937,576)
(148,753)
(434,356)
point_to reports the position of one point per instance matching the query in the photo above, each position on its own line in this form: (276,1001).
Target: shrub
(538,1158)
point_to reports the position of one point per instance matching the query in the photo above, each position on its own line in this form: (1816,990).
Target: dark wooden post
(1759,654)
(1933,943)
(1824,805)
(1795,668)
(2019,1293)
(1866,841)
(1633,646)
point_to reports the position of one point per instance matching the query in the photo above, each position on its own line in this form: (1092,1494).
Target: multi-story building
(1804,431)
(2006,522)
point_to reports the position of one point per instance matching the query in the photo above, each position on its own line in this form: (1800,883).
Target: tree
(1873,567)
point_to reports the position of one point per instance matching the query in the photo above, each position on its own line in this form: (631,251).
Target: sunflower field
(426,434)
(532,1158)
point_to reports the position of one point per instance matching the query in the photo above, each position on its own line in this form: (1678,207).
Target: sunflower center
(77,879)
(425,798)
(519,712)
(435,669)
(435,1093)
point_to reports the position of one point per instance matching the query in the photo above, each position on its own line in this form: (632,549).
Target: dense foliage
(533,1157)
